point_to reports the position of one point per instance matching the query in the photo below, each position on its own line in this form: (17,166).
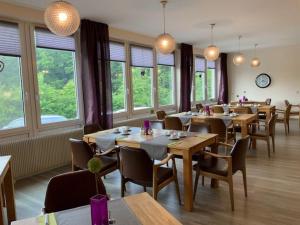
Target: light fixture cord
(240,36)
(164,14)
(212,33)
(255,46)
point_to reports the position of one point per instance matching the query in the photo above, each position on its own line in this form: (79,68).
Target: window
(142,77)
(11,89)
(166,76)
(118,76)
(56,76)
(211,80)
(204,82)
(199,79)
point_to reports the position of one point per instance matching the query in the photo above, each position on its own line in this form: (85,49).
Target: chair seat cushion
(163,173)
(213,165)
(107,162)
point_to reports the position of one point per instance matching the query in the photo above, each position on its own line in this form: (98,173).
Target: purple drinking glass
(99,210)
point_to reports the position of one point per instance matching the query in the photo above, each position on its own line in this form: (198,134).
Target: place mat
(51,219)
(157,148)
(108,140)
(186,118)
(119,211)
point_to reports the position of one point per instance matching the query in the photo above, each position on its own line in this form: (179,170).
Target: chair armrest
(280,110)
(164,161)
(111,150)
(225,144)
(226,157)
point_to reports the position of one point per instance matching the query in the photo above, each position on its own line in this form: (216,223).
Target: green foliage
(165,85)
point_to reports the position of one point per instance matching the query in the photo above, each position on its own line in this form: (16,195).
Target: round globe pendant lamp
(165,43)
(212,52)
(62,18)
(239,58)
(255,62)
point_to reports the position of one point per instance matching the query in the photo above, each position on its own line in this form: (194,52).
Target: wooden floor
(273,190)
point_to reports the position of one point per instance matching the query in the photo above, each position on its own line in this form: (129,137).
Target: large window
(56,75)
(118,76)
(204,83)
(11,94)
(166,76)
(142,77)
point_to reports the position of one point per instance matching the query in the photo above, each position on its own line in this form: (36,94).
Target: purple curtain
(186,77)
(223,88)
(96,77)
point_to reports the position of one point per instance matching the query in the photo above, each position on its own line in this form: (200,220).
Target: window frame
(117,115)
(25,86)
(193,97)
(78,88)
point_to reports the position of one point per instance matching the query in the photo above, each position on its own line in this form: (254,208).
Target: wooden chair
(293,112)
(71,190)
(82,153)
(173,123)
(217,126)
(199,107)
(243,110)
(137,167)
(160,115)
(157,124)
(217,109)
(266,134)
(224,167)
(284,118)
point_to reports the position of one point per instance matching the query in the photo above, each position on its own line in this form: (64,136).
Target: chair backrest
(173,123)
(81,152)
(71,190)
(238,154)
(217,126)
(243,110)
(136,165)
(268,101)
(287,103)
(287,112)
(272,123)
(203,128)
(91,128)
(157,124)
(199,106)
(217,109)
(160,115)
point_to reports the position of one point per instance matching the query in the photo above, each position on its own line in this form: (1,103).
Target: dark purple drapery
(223,76)
(96,77)
(186,77)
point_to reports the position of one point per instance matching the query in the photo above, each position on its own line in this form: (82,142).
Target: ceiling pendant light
(165,43)
(239,58)
(211,53)
(62,18)
(255,62)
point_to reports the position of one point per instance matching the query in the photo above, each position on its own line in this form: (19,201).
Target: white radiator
(37,155)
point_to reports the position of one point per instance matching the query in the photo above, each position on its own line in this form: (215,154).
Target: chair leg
(122,186)
(202,180)
(196,182)
(230,182)
(177,189)
(245,182)
(273,142)
(154,191)
(145,190)
(285,129)
(269,150)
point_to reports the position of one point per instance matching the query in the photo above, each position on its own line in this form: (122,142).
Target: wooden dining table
(145,209)
(185,147)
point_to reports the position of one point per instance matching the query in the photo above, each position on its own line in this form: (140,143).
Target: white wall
(281,63)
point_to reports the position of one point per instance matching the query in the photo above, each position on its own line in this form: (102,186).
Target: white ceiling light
(255,62)
(211,53)
(239,58)
(62,18)
(165,43)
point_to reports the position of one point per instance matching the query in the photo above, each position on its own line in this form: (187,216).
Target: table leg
(188,181)
(244,132)
(9,195)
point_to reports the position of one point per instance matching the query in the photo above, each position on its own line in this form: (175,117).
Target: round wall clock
(263,80)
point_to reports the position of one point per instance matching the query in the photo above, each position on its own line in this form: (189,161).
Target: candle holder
(99,210)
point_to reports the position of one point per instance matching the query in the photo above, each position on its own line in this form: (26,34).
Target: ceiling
(266,22)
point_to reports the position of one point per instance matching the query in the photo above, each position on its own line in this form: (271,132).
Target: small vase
(99,210)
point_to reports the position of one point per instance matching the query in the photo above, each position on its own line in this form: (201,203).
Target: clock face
(263,80)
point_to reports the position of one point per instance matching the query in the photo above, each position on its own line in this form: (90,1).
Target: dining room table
(155,144)
(138,209)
